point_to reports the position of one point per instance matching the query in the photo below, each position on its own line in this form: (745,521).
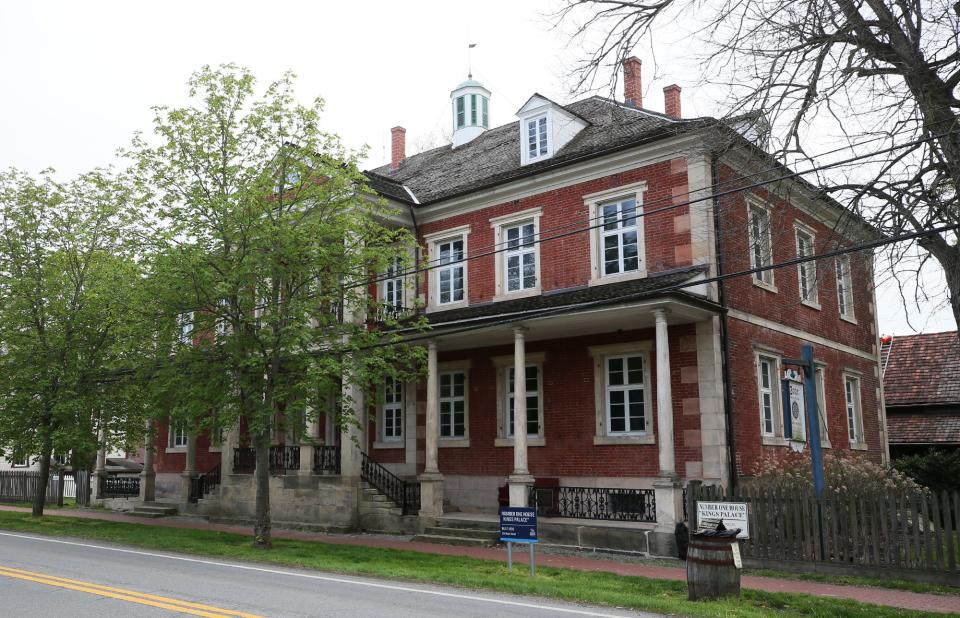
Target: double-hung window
(520,257)
(393,410)
(769,391)
(761,245)
(619,236)
(177,437)
(392,287)
(453,405)
(625,395)
(185,327)
(844,287)
(806,271)
(851,390)
(532,384)
(819,383)
(450,271)
(537,144)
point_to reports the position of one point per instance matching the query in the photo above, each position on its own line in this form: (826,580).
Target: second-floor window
(537,145)
(520,257)
(185,327)
(392,286)
(761,244)
(844,287)
(619,242)
(806,271)
(393,410)
(450,271)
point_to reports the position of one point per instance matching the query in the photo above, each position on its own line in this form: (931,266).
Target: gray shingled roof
(494,156)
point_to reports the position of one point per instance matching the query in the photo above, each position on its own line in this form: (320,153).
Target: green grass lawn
(853,580)
(587,587)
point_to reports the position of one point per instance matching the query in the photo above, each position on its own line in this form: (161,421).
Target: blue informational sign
(518,524)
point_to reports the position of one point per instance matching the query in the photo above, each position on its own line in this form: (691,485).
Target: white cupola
(470,104)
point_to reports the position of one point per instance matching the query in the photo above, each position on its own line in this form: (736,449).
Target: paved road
(58,577)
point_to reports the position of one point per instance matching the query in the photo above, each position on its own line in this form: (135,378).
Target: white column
(190,467)
(148,475)
(352,434)
(100,470)
(308,441)
(520,480)
(431,481)
(664,398)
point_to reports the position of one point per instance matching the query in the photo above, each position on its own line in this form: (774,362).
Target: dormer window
(537,145)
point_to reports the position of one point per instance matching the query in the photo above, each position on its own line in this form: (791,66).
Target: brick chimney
(632,86)
(671,101)
(398,146)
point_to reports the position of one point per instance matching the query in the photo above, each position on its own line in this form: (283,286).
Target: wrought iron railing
(119,486)
(284,459)
(326,460)
(405,494)
(244,460)
(610,503)
(202,484)
(387,311)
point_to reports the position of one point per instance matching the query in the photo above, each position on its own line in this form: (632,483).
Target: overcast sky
(80,77)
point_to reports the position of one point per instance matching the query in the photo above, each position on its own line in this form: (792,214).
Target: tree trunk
(262,537)
(40,497)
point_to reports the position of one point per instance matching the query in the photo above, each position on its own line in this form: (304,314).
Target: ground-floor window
(625,394)
(851,389)
(177,437)
(392,416)
(532,382)
(769,391)
(453,405)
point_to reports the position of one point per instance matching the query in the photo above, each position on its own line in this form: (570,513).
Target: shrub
(937,469)
(844,472)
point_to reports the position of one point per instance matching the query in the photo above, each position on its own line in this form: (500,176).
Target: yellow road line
(195,609)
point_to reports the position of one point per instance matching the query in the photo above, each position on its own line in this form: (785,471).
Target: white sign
(737,560)
(732,514)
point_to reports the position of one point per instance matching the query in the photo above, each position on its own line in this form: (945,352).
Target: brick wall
(569,412)
(174,462)
(565,262)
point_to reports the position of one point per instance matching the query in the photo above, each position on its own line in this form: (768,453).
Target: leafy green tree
(266,238)
(67,281)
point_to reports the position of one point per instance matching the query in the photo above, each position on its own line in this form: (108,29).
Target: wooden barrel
(711,573)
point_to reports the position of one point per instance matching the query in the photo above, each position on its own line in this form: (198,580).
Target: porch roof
(576,299)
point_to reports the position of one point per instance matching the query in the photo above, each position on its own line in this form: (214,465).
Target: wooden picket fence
(890,533)
(21,485)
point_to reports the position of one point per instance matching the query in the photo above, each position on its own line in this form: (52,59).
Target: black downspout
(724,335)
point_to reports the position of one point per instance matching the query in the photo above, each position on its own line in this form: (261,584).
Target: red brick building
(588,247)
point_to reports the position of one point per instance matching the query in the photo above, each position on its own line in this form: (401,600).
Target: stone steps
(153,511)
(468,524)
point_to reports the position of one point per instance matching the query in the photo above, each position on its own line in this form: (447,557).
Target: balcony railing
(387,311)
(119,486)
(326,460)
(284,459)
(614,504)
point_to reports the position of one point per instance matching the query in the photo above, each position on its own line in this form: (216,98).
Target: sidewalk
(880,596)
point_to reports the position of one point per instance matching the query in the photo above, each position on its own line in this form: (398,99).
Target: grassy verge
(68,503)
(587,587)
(851,580)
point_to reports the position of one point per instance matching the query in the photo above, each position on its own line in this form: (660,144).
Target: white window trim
(860,444)
(171,445)
(593,202)
(776,395)
(821,393)
(502,363)
(499,224)
(848,315)
(524,136)
(752,205)
(814,301)
(433,292)
(600,354)
(450,441)
(382,441)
